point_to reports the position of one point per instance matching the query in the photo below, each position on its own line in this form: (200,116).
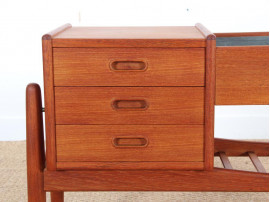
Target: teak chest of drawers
(116,104)
(127,103)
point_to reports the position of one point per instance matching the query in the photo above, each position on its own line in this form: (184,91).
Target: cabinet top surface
(183,32)
(184,36)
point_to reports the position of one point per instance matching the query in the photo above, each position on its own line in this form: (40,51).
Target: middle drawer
(129,105)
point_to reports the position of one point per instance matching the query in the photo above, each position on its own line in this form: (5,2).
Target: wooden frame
(49,95)
(43,176)
(49,103)
(209,102)
(156,180)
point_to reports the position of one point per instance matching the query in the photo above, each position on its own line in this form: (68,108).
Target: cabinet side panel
(210,81)
(242,75)
(49,104)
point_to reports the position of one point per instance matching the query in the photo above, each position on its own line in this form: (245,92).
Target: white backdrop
(22,24)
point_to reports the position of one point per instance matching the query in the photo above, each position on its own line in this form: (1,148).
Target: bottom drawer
(125,146)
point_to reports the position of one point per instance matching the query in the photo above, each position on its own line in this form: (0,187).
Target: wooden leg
(34,144)
(57,196)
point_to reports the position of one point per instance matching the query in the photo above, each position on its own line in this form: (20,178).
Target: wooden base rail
(156,180)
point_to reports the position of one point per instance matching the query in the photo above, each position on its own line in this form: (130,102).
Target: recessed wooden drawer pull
(129,105)
(128,66)
(123,142)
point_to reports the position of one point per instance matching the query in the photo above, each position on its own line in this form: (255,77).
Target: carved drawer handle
(129,105)
(123,142)
(128,66)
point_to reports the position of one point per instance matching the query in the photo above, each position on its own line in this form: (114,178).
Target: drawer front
(108,143)
(129,66)
(129,105)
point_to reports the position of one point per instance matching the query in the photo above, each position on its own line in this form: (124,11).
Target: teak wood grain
(209,98)
(49,102)
(242,75)
(164,32)
(34,144)
(80,143)
(225,160)
(49,95)
(156,180)
(56,31)
(132,109)
(94,105)
(130,165)
(163,66)
(57,196)
(241,148)
(256,162)
(187,36)
(241,34)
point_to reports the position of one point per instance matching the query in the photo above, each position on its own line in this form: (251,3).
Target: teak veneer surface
(35,152)
(167,143)
(49,103)
(242,75)
(94,105)
(241,34)
(187,36)
(241,148)
(256,162)
(177,32)
(132,109)
(130,165)
(163,66)
(156,180)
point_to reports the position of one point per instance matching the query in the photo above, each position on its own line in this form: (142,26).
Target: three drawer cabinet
(132,109)
(129,98)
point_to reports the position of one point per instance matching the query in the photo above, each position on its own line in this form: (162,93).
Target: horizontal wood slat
(242,75)
(256,162)
(94,105)
(161,66)
(156,180)
(225,160)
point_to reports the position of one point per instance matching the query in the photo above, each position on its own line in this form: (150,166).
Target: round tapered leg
(34,144)
(57,196)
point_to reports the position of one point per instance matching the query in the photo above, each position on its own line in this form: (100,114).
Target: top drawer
(129,66)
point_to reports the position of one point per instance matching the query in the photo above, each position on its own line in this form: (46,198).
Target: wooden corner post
(47,51)
(210,85)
